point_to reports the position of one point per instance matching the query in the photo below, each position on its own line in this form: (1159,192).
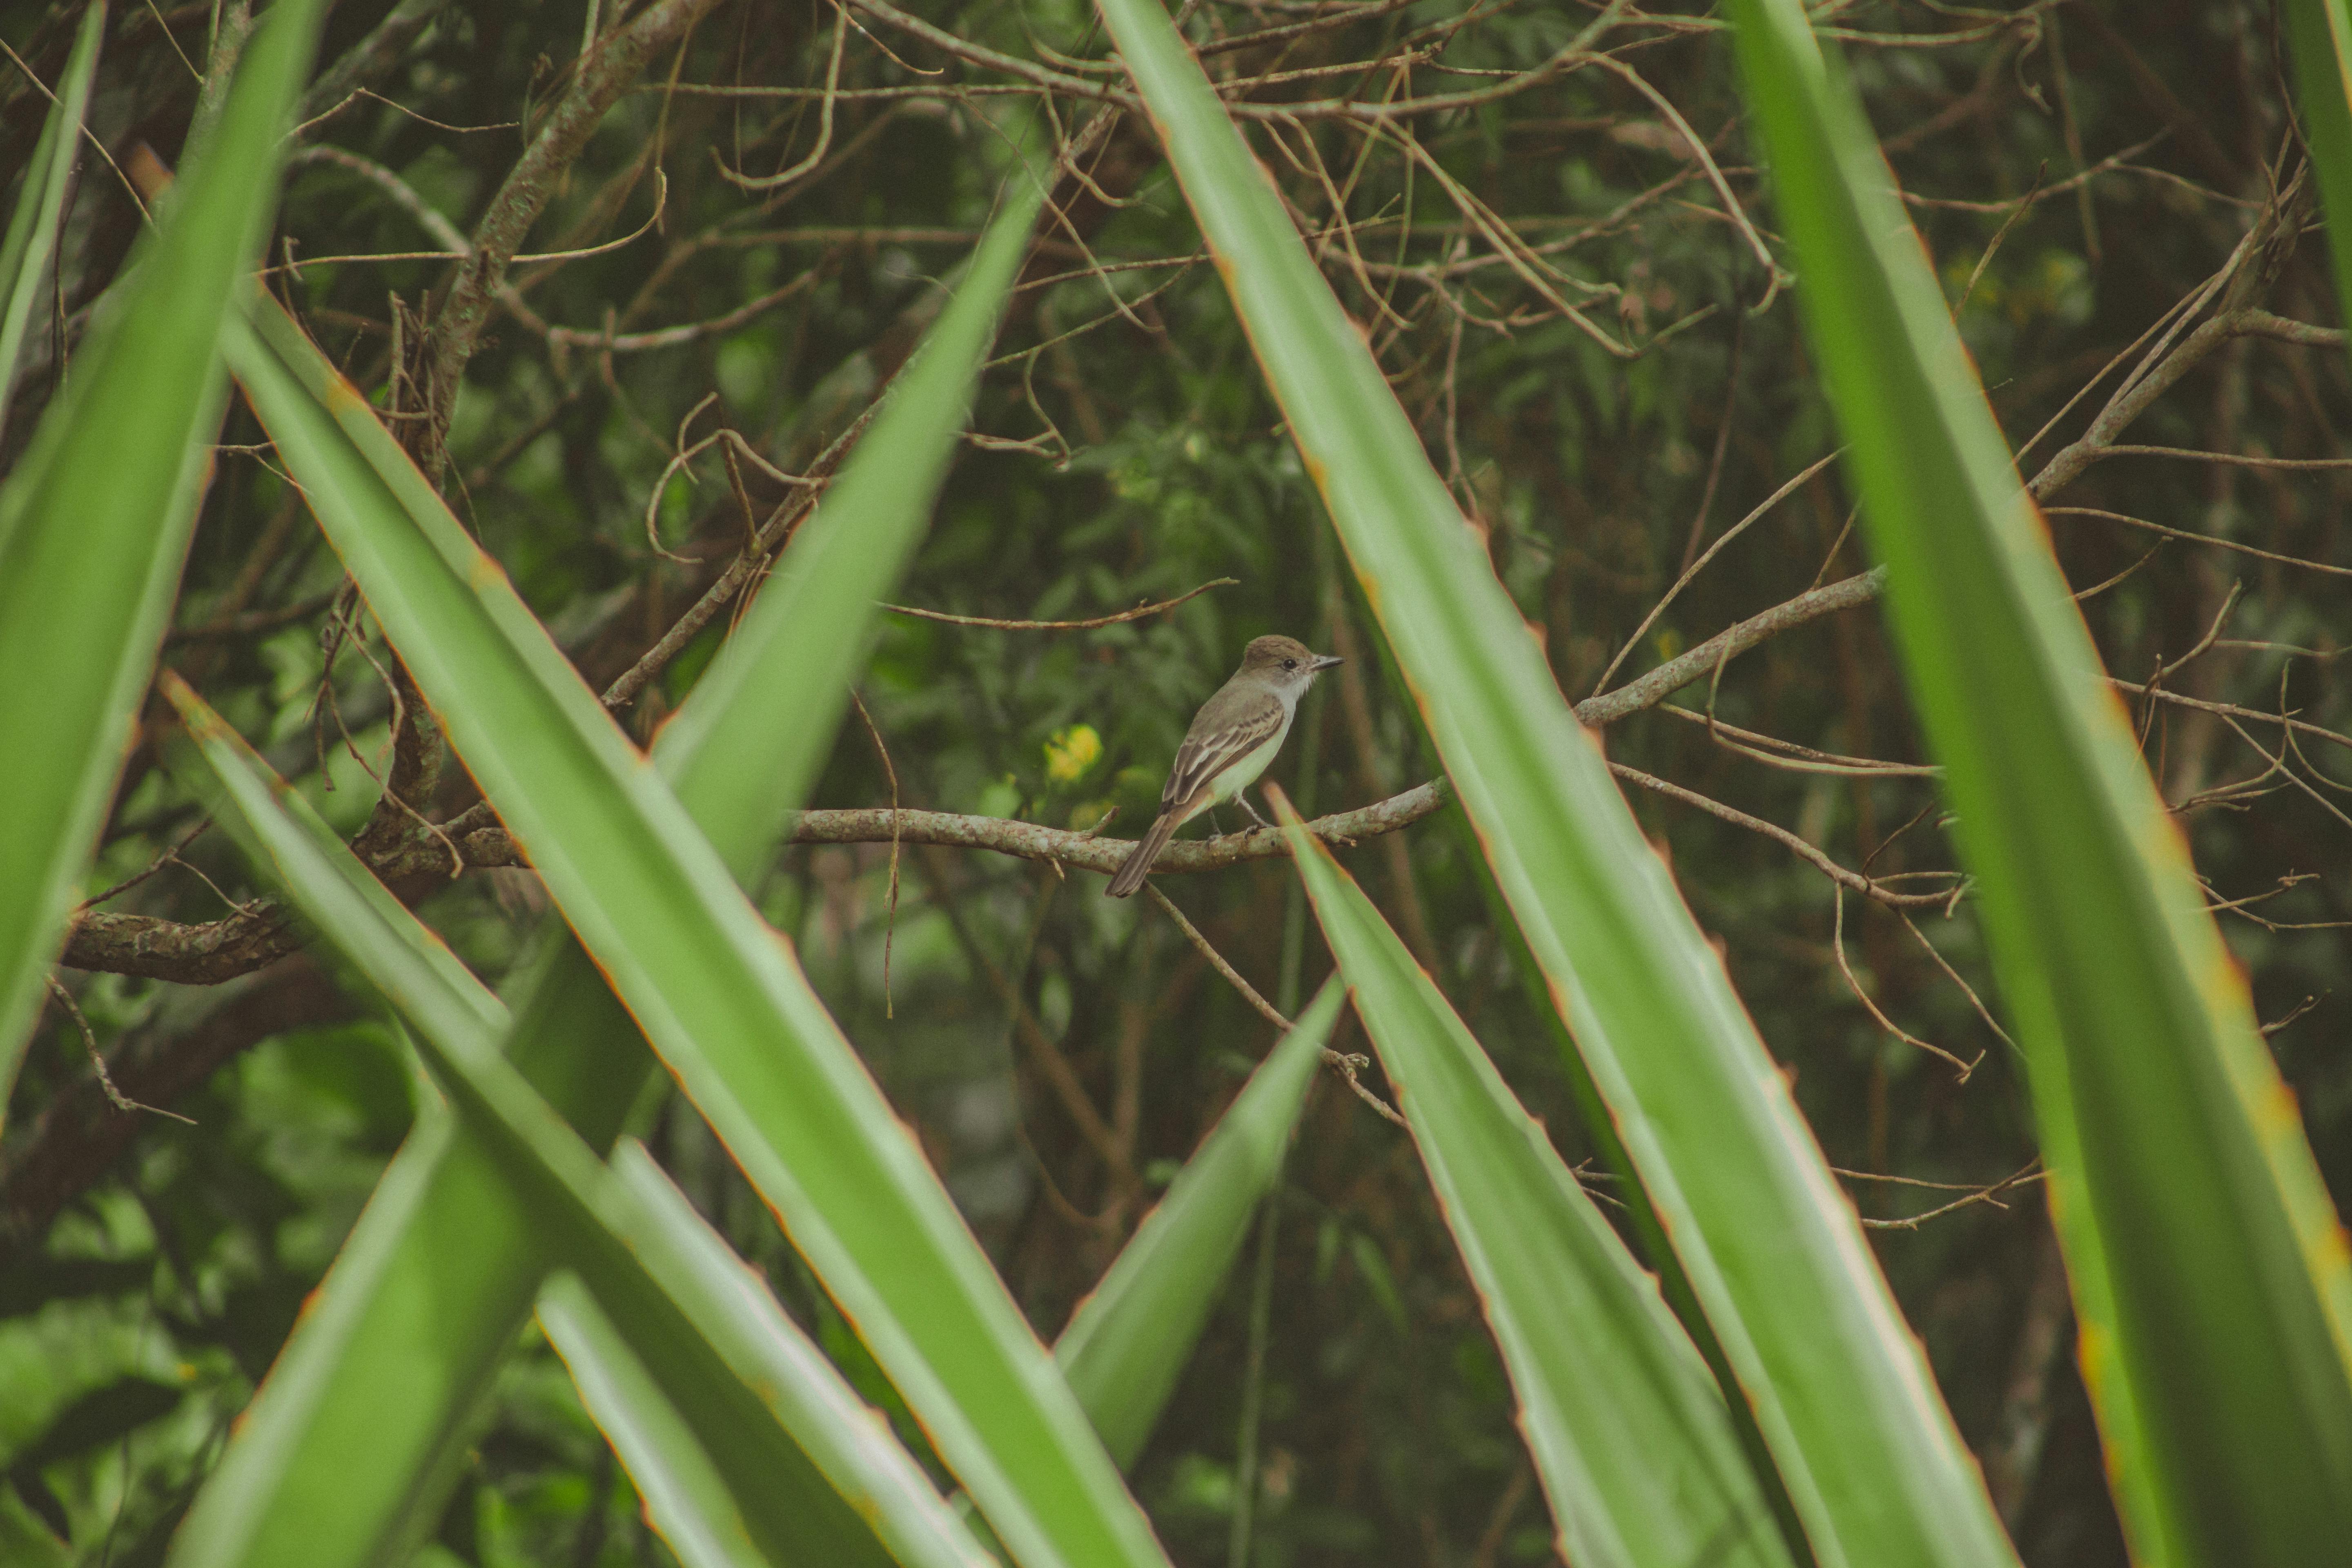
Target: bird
(1233,738)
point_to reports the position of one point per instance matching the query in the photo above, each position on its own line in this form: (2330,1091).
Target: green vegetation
(567,1016)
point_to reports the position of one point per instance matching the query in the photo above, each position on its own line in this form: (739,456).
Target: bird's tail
(1137,864)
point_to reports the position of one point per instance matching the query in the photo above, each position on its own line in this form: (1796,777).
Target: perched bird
(1234,736)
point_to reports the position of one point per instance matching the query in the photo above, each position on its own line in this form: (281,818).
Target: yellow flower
(1071,752)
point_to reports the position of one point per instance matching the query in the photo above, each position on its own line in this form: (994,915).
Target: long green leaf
(816,1476)
(684,1497)
(1131,1336)
(94,521)
(716,994)
(2322,34)
(293,846)
(1773,1249)
(2183,1180)
(32,238)
(365,1418)
(813,1476)
(1633,1442)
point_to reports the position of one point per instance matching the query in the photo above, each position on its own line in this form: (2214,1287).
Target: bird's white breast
(1243,773)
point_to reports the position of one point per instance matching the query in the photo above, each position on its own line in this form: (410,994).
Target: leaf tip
(203,724)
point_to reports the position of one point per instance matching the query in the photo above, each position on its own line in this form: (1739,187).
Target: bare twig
(1217,961)
(1762,508)
(601,79)
(1346,1066)
(114,1097)
(1991,1195)
(1654,687)
(890,924)
(1139,613)
(2194,538)
(1837,946)
(1853,880)
(169,856)
(1966,990)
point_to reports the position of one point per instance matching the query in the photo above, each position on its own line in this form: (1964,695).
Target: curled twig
(1837,945)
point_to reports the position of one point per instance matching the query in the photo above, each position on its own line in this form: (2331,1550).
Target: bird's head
(1286,661)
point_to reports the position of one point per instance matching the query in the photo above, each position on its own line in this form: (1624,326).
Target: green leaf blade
(1632,1443)
(1129,1339)
(779,1453)
(684,1496)
(94,520)
(2209,1269)
(32,238)
(1773,1249)
(711,986)
(2321,33)
(318,1422)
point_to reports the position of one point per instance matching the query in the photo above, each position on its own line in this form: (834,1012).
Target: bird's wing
(1206,752)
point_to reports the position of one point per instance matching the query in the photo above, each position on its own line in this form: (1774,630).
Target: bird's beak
(1324,661)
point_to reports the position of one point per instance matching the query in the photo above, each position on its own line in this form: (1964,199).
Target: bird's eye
(1290,664)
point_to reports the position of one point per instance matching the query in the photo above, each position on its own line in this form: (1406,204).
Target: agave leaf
(1131,1336)
(1634,1446)
(684,1497)
(715,992)
(781,1455)
(95,518)
(319,1428)
(2322,34)
(1773,1251)
(2217,1311)
(31,240)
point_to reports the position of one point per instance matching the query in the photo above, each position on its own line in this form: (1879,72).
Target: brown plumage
(1235,735)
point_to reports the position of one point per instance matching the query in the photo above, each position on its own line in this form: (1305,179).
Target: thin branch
(825,121)
(2237,459)
(890,923)
(1837,946)
(1139,613)
(1216,960)
(1966,990)
(1836,873)
(1346,1066)
(2178,700)
(1991,1195)
(169,856)
(2194,538)
(601,79)
(1772,270)
(114,1097)
(1763,508)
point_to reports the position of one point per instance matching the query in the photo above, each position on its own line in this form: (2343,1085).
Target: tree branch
(78,1135)
(210,953)
(603,75)
(205,953)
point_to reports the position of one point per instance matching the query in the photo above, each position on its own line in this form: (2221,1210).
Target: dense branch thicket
(627,278)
